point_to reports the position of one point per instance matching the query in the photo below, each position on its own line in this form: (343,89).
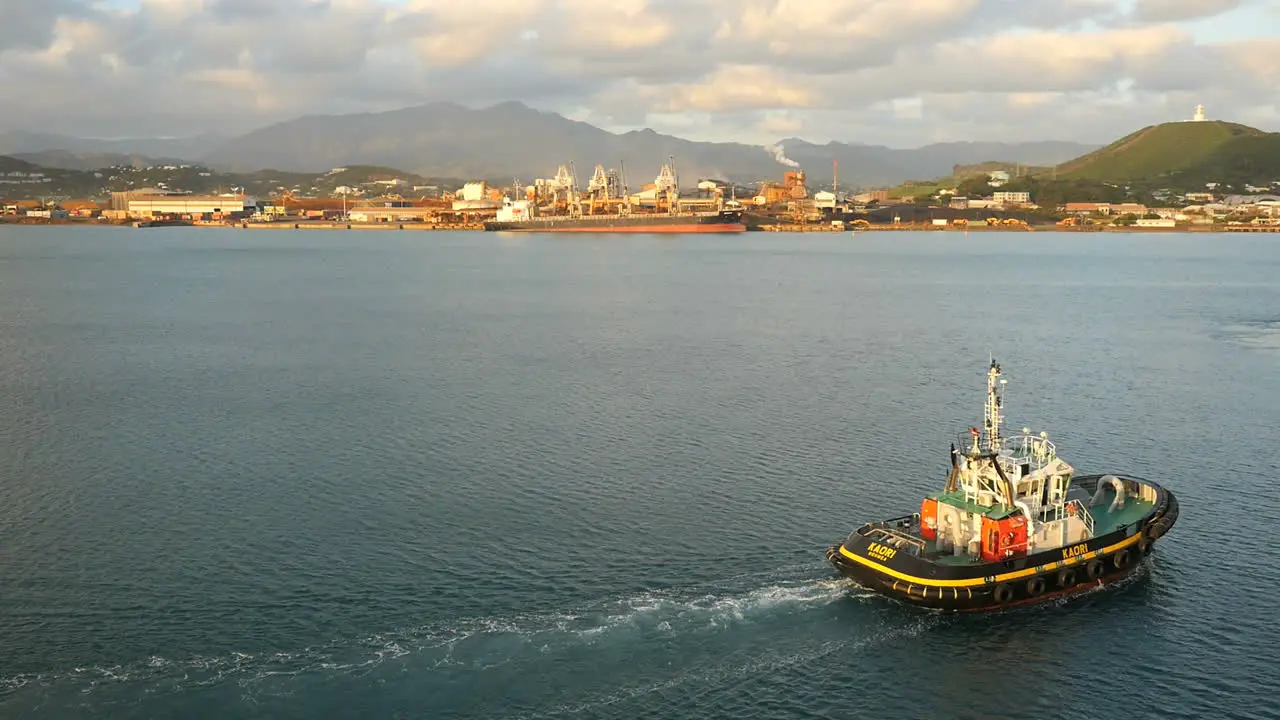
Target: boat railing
(889,532)
(1077,508)
(1029,449)
(973,443)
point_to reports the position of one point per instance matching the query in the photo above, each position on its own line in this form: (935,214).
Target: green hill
(12,164)
(22,180)
(1182,154)
(1248,159)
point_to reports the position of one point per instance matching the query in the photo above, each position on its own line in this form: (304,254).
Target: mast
(994,404)
(674,206)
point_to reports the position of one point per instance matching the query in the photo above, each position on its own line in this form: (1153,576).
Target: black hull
(1021,581)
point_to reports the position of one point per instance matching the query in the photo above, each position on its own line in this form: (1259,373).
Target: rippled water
(464,475)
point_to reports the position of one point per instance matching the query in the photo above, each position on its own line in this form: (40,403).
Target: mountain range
(512,140)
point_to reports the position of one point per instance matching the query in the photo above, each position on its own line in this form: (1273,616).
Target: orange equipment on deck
(929,519)
(1004,538)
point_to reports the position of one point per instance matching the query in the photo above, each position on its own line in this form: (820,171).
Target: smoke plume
(780,155)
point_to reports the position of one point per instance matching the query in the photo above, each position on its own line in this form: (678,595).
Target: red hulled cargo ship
(728,220)
(556,205)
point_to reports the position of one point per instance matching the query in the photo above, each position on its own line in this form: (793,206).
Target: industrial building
(478,196)
(792,188)
(392,214)
(150,203)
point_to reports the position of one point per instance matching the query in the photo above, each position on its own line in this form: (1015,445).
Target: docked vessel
(513,218)
(555,205)
(1012,526)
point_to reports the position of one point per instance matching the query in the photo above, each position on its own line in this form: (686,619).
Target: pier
(1254,228)
(322,225)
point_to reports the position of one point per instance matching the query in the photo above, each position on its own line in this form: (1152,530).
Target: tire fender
(1066,578)
(1003,593)
(1035,586)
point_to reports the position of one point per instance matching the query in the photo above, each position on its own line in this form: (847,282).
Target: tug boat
(1011,527)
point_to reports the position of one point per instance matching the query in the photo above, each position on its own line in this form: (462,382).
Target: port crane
(667,186)
(604,192)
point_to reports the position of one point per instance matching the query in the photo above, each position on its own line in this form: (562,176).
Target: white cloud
(1177,10)
(1258,59)
(736,87)
(450,33)
(779,124)
(881,71)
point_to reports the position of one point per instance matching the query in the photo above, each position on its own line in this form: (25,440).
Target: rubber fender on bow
(1154,530)
(1121,559)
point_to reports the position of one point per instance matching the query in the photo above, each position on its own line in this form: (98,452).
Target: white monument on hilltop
(1199,116)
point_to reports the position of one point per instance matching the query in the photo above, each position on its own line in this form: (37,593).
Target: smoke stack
(835,180)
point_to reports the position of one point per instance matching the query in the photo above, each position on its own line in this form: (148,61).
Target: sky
(901,73)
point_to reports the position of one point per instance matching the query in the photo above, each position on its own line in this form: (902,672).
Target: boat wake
(721,675)
(1258,334)
(483,641)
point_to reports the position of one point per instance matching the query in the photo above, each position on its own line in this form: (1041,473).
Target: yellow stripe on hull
(975,582)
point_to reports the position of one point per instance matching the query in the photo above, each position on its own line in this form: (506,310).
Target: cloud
(778,124)
(736,87)
(1179,10)
(897,72)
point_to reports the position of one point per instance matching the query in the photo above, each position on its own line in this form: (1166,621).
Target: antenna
(994,404)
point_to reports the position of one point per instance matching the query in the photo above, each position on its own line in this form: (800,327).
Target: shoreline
(479,227)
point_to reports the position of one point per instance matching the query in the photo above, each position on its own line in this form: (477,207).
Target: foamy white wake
(484,640)
(717,676)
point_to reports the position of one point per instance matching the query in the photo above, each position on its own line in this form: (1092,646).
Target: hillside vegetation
(11,164)
(54,182)
(1247,159)
(1181,154)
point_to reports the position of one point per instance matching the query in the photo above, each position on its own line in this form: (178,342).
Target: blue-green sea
(306,474)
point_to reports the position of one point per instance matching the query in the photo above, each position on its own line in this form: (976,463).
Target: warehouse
(152,203)
(386,214)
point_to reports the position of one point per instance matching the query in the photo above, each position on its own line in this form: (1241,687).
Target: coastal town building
(1128,209)
(1086,208)
(873,196)
(1012,198)
(47,213)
